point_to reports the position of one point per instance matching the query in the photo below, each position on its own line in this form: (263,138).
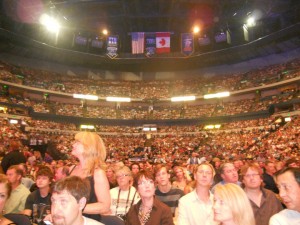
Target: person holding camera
(124,195)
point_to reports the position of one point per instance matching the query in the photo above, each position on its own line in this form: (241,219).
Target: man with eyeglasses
(264,202)
(196,207)
(229,174)
(288,183)
(164,191)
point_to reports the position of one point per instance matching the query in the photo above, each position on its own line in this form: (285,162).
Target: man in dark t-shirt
(39,201)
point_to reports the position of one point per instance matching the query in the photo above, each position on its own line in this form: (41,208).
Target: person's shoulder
(188,197)
(175,190)
(285,217)
(89,221)
(160,205)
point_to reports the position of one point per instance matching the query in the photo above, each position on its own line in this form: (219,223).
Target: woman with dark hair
(149,210)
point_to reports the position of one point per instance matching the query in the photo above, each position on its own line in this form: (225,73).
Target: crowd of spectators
(150,89)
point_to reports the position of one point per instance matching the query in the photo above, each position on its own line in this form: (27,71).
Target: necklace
(127,201)
(144,215)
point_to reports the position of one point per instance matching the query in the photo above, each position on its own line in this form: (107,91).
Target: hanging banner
(187,44)
(112,46)
(150,44)
(137,42)
(163,42)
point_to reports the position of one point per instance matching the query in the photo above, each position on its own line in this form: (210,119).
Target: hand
(48,218)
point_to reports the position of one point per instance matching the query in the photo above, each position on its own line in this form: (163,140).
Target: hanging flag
(150,44)
(137,42)
(187,43)
(162,42)
(112,46)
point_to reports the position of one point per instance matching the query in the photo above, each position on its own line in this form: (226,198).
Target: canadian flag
(162,42)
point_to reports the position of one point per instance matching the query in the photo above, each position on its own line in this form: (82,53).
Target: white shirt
(285,217)
(123,204)
(193,211)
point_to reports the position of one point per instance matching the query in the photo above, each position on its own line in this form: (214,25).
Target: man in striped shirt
(164,191)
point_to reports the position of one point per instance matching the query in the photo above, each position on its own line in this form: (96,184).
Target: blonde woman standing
(90,151)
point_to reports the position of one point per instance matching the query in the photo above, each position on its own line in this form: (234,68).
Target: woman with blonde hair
(232,206)
(111,176)
(181,177)
(90,151)
(124,195)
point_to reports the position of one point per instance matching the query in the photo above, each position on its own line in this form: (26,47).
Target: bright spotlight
(104,31)
(196,29)
(50,23)
(251,22)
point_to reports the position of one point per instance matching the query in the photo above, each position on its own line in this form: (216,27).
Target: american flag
(138,42)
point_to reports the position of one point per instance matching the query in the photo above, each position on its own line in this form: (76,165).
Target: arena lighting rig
(86,97)
(183,98)
(217,95)
(209,127)
(118,99)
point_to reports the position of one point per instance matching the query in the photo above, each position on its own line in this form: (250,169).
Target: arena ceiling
(177,16)
(121,17)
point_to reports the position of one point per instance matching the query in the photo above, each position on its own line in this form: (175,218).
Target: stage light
(183,98)
(117,99)
(250,22)
(50,23)
(196,29)
(104,31)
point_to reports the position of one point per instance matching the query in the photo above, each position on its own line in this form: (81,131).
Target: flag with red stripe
(162,42)
(138,42)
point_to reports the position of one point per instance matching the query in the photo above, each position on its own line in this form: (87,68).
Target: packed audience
(150,89)
(223,160)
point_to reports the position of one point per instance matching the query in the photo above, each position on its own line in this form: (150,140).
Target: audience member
(181,178)
(89,149)
(197,207)
(111,176)
(263,201)
(149,210)
(229,174)
(288,182)
(41,196)
(14,156)
(26,180)
(232,206)
(124,195)
(61,172)
(164,191)
(268,177)
(19,194)
(69,197)
(5,191)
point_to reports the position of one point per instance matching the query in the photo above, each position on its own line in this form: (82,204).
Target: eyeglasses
(144,182)
(204,172)
(123,175)
(251,175)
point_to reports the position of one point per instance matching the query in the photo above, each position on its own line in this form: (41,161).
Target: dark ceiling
(121,17)
(124,16)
